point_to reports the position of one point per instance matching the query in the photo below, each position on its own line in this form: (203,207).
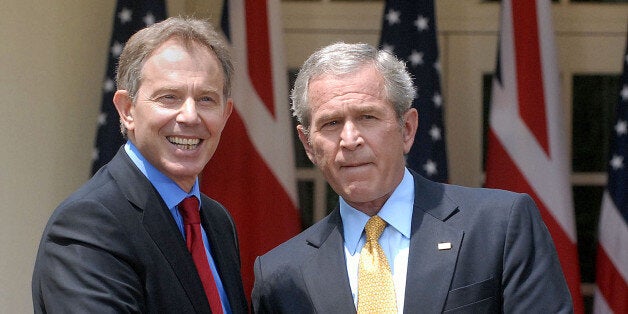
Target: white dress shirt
(395,240)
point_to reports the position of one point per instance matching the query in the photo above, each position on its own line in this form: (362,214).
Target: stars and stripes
(130,16)
(253,171)
(409,31)
(527,146)
(611,295)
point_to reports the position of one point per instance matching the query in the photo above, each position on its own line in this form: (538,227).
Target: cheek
(214,121)
(153,118)
(324,155)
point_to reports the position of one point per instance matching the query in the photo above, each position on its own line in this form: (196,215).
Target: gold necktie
(376,292)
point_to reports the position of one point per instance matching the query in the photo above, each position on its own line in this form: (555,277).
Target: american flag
(527,146)
(409,32)
(611,295)
(130,16)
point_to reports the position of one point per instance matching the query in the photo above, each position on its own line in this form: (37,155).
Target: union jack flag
(253,170)
(527,148)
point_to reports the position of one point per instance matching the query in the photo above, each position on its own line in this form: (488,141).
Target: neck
(370,208)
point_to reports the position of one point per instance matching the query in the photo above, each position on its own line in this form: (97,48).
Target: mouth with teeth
(184,143)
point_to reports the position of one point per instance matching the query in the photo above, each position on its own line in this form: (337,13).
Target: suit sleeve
(258,295)
(83,264)
(533,281)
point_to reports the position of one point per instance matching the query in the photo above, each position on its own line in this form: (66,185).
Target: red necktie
(194,241)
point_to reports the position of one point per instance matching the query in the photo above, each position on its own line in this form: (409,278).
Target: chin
(185,170)
(357,194)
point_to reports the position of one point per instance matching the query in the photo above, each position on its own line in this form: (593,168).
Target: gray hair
(142,44)
(342,58)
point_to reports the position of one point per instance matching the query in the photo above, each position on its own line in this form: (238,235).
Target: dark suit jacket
(502,259)
(114,247)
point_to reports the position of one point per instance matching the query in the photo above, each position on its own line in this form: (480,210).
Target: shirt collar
(169,191)
(397,212)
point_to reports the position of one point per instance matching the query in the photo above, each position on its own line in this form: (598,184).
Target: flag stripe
(529,76)
(613,235)
(611,283)
(259,62)
(600,306)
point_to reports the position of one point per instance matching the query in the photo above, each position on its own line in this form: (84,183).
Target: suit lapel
(227,260)
(430,268)
(160,225)
(325,273)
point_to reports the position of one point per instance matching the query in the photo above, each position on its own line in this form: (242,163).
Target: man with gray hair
(397,242)
(139,237)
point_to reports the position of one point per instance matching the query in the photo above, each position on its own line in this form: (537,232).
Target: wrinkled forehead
(366,84)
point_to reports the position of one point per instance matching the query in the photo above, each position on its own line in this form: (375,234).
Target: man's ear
(305,140)
(409,128)
(124,105)
(228,108)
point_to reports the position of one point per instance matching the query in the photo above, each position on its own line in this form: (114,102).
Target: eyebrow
(333,114)
(179,88)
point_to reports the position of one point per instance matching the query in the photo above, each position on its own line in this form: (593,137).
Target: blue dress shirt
(172,195)
(395,240)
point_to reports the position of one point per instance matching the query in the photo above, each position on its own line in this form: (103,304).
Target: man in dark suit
(444,248)
(120,243)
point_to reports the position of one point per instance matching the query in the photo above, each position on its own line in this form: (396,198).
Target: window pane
(587,201)
(594,100)
(306,202)
(487,86)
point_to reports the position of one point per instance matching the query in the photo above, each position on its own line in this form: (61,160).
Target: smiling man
(397,242)
(139,236)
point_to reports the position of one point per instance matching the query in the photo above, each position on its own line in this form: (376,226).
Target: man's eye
(168,99)
(206,99)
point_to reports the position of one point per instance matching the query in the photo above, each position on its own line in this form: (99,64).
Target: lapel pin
(444,246)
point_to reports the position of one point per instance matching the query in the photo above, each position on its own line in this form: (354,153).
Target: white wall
(52,60)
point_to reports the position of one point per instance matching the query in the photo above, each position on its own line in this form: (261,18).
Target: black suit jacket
(501,259)
(114,247)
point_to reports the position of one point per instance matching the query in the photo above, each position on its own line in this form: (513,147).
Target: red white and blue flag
(253,170)
(527,145)
(130,16)
(409,32)
(611,294)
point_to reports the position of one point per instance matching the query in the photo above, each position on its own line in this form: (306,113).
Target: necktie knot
(374,228)
(189,210)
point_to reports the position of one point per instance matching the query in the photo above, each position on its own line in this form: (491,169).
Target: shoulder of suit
(208,201)
(300,246)
(479,193)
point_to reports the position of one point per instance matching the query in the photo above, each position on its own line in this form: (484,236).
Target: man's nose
(188,112)
(350,137)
